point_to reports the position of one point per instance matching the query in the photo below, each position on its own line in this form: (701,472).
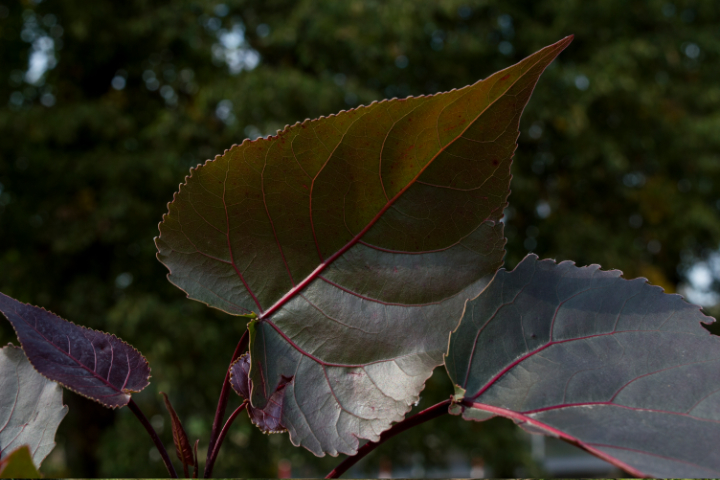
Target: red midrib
(503,412)
(315,273)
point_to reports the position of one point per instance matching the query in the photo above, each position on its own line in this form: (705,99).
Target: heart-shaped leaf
(94,364)
(616,366)
(357,239)
(31,407)
(267,419)
(19,464)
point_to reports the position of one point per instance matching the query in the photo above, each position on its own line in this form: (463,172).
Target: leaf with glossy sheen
(19,464)
(616,366)
(94,364)
(356,238)
(267,419)
(31,406)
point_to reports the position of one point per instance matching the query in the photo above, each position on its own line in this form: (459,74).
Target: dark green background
(624,124)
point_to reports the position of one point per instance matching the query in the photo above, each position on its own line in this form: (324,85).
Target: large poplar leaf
(94,364)
(31,408)
(356,238)
(616,366)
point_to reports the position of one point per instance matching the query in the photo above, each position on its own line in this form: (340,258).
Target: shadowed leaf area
(31,409)
(613,365)
(357,239)
(94,364)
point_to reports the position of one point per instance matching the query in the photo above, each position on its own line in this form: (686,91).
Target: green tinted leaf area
(616,366)
(31,409)
(19,464)
(357,239)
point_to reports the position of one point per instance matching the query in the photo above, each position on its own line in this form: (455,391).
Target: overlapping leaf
(616,366)
(357,239)
(94,364)
(19,464)
(31,407)
(267,419)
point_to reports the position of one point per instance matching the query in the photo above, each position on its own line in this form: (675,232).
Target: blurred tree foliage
(104,106)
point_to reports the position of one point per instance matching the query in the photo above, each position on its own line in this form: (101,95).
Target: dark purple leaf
(356,238)
(94,364)
(31,406)
(267,419)
(180,438)
(615,366)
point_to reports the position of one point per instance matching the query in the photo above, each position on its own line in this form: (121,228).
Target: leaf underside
(94,364)
(356,238)
(267,419)
(31,407)
(616,366)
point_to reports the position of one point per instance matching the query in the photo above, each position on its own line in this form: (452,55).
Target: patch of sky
(43,46)
(233,50)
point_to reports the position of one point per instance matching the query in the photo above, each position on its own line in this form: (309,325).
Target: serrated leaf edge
(126,391)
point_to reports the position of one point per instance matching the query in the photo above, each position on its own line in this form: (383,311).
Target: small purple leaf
(93,364)
(267,419)
(614,366)
(180,438)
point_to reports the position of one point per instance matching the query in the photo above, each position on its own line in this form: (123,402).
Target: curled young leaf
(180,438)
(357,238)
(31,407)
(267,419)
(93,364)
(615,366)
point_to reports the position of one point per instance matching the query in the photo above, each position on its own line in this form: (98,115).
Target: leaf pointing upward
(357,239)
(94,364)
(613,365)
(180,439)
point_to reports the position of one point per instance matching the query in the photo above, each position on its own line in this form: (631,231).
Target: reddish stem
(422,417)
(153,434)
(211,460)
(222,404)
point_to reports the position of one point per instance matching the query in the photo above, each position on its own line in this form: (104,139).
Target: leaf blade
(31,406)
(576,354)
(332,216)
(94,364)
